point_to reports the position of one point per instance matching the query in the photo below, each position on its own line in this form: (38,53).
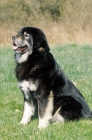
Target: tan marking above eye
(25,33)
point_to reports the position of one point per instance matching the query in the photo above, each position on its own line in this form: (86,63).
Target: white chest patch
(28,85)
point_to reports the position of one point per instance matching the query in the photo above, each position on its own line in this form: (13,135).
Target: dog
(43,83)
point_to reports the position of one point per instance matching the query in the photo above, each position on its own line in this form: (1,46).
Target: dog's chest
(28,85)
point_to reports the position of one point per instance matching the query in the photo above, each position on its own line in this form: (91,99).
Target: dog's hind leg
(57,118)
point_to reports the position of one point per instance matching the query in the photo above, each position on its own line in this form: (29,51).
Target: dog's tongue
(15,47)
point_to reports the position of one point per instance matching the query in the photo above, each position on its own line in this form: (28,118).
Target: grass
(76,61)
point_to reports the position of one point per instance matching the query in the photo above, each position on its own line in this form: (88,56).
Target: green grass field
(76,61)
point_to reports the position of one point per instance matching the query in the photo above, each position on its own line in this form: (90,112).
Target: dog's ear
(39,38)
(40,41)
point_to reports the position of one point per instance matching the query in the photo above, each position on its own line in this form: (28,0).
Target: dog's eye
(26,35)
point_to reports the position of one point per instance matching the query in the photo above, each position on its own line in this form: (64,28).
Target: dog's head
(22,42)
(29,39)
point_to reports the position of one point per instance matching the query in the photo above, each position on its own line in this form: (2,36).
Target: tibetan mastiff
(43,83)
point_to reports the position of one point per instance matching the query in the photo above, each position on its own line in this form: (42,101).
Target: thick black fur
(42,66)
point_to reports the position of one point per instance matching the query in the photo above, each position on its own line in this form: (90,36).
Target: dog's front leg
(45,109)
(29,108)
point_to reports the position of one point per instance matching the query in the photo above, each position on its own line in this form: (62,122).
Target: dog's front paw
(43,124)
(23,121)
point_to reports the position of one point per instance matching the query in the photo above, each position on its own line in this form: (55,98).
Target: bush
(63,21)
(14,11)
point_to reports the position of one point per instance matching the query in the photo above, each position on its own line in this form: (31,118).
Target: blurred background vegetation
(63,21)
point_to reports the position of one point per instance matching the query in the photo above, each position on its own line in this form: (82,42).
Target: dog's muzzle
(16,47)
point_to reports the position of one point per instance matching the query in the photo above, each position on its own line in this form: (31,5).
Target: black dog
(43,83)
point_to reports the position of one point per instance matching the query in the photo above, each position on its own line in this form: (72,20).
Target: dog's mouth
(17,48)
